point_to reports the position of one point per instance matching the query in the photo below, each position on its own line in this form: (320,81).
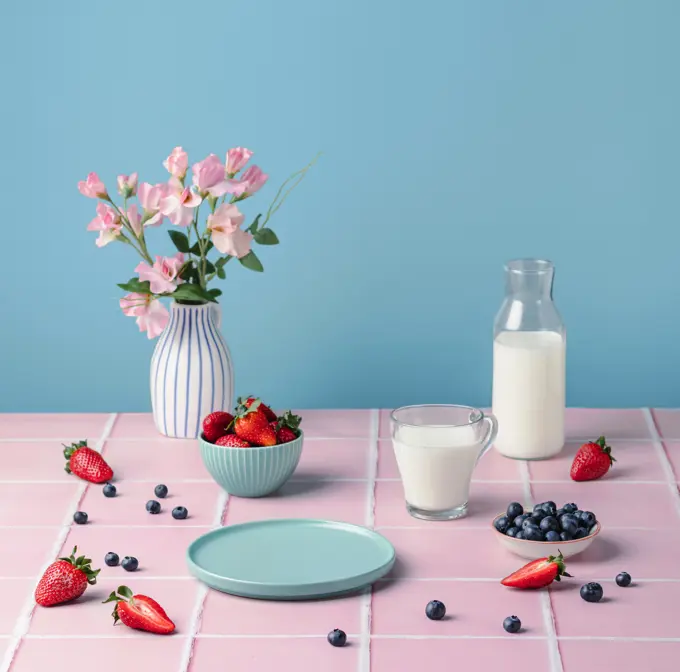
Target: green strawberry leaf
(111,598)
(125,591)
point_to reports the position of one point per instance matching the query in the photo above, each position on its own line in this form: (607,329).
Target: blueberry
(515,509)
(435,610)
(130,563)
(559,513)
(549,524)
(512,624)
(623,579)
(549,508)
(551,504)
(337,638)
(502,524)
(519,521)
(552,536)
(538,513)
(565,536)
(591,592)
(570,508)
(512,531)
(112,559)
(109,490)
(533,534)
(179,513)
(577,514)
(520,535)
(581,533)
(152,506)
(588,519)
(569,524)
(161,491)
(80,517)
(529,522)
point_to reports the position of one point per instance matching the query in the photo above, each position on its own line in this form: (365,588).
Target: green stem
(142,250)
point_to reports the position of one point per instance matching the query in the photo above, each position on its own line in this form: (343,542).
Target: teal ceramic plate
(295,559)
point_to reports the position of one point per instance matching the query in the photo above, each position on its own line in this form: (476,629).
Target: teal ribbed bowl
(251,472)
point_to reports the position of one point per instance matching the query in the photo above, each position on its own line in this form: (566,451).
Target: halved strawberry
(538,573)
(216,425)
(86,463)
(139,612)
(65,580)
(232,441)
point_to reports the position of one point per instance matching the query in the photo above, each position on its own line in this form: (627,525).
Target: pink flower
(179,203)
(107,222)
(177,163)
(226,235)
(237,159)
(150,197)
(93,187)
(127,185)
(163,276)
(152,316)
(209,177)
(135,220)
(254,180)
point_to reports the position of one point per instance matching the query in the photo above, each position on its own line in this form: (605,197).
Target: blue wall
(455,135)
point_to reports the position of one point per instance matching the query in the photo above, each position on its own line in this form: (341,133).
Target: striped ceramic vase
(191,371)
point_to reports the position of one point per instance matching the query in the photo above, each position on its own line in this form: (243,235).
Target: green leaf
(195,248)
(266,237)
(186,270)
(191,292)
(112,597)
(220,273)
(136,285)
(253,227)
(209,266)
(252,262)
(125,591)
(215,292)
(222,261)
(180,240)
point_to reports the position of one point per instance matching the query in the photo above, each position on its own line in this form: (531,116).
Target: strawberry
(251,425)
(538,573)
(86,463)
(287,427)
(216,425)
(139,612)
(232,441)
(65,580)
(592,461)
(269,414)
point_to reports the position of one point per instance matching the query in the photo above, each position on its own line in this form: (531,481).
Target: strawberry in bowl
(255,452)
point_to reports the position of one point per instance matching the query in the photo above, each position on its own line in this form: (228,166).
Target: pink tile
(103,655)
(621,655)
(38,461)
(442,551)
(136,426)
(384,430)
(44,504)
(15,594)
(33,547)
(336,424)
(88,616)
(635,461)
(60,426)
(156,460)
(672,449)
(667,422)
(339,500)
(619,613)
(129,505)
(160,551)
(644,554)
(4,643)
(654,506)
(228,615)
(510,654)
(473,608)
(333,458)
(284,655)
(486,501)
(589,423)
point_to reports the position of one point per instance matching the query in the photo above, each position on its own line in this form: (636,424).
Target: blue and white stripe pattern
(191,371)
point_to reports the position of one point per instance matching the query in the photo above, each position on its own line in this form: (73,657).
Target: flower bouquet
(191,372)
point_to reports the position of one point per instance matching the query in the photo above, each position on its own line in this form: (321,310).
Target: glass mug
(437,447)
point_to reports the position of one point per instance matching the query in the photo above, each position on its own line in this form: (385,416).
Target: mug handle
(491,435)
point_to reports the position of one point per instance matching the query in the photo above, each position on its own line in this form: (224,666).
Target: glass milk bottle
(529,352)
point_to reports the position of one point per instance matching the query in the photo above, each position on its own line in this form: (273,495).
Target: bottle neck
(536,286)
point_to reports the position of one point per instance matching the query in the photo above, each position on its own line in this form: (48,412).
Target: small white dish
(533,550)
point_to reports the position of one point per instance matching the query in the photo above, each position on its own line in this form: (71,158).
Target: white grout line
(523,467)
(367,597)
(24,621)
(202,593)
(663,458)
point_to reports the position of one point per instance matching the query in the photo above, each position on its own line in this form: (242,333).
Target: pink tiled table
(347,472)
